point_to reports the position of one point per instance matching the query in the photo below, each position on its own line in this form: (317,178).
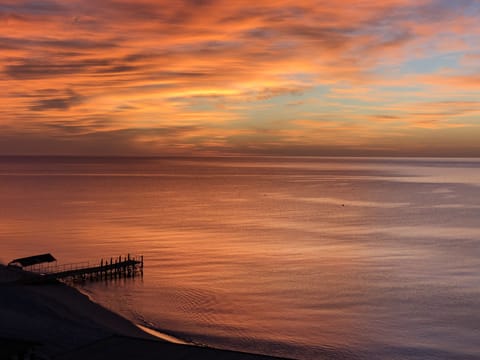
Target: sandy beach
(55,321)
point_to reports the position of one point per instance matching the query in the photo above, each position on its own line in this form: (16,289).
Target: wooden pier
(112,268)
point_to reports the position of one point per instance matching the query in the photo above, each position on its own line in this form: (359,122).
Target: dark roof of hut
(34,260)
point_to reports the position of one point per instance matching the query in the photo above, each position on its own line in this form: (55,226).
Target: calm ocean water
(310,258)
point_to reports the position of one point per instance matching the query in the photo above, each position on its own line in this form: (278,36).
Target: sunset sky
(200,77)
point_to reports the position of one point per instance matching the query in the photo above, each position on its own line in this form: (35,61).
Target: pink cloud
(79,68)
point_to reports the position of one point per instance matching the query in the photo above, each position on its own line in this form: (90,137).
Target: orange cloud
(121,73)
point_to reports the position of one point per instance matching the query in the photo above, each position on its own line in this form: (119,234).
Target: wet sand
(65,324)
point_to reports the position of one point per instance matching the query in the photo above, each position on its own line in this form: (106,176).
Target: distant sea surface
(302,257)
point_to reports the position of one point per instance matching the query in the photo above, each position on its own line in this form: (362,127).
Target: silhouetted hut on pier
(32,261)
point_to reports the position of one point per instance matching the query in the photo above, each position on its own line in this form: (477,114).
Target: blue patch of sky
(290,105)
(402,90)
(258,115)
(431,64)
(467,7)
(424,65)
(32,7)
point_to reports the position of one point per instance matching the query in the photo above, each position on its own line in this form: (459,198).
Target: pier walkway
(126,266)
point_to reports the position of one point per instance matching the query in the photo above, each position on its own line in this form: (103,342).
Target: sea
(299,257)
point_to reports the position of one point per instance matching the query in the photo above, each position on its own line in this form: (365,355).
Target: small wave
(201,303)
(162,335)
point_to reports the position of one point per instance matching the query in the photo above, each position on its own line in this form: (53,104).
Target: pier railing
(53,268)
(122,266)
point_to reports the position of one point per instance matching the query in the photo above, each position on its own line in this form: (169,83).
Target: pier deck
(113,268)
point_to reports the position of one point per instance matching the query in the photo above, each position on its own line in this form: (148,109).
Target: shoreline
(156,333)
(57,321)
